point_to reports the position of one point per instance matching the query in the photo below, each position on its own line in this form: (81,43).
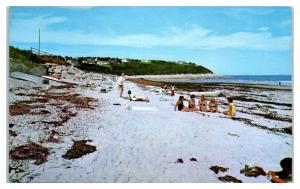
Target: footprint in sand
(193,159)
(179,160)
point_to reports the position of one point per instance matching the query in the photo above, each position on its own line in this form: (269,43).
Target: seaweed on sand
(79,149)
(64,117)
(270,115)
(286,130)
(217,168)
(19,109)
(12,133)
(30,151)
(25,106)
(247,99)
(254,171)
(65,86)
(229,178)
(78,101)
(42,112)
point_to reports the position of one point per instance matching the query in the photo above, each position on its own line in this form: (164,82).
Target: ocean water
(250,79)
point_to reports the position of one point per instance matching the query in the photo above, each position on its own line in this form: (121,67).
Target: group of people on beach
(165,91)
(203,106)
(211,106)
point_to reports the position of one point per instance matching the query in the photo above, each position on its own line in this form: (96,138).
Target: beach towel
(142,108)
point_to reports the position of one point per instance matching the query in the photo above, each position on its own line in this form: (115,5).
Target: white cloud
(193,37)
(239,13)
(37,22)
(263,29)
(285,23)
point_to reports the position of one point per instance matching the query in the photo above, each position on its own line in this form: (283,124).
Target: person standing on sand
(121,84)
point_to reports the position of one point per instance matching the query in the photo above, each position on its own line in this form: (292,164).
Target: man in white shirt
(121,83)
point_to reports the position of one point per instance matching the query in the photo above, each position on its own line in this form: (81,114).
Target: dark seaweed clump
(217,168)
(229,178)
(30,151)
(254,171)
(79,149)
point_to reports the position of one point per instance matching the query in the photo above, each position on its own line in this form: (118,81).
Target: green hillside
(153,67)
(26,61)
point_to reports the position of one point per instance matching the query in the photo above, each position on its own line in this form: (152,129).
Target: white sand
(142,146)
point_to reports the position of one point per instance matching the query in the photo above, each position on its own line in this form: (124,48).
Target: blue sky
(227,40)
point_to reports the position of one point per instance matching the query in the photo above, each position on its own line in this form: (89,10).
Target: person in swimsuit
(285,175)
(213,105)
(202,104)
(172,93)
(165,90)
(121,84)
(192,104)
(134,98)
(179,104)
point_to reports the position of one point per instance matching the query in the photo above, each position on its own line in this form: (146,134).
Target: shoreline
(143,81)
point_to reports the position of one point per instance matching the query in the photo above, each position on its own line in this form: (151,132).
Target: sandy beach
(142,142)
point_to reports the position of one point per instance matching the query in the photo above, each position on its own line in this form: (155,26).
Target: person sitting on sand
(202,104)
(213,105)
(179,104)
(285,175)
(134,98)
(192,104)
(172,93)
(231,107)
(165,90)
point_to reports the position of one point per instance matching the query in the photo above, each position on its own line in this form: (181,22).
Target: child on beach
(192,104)
(213,106)
(179,104)
(285,175)
(231,107)
(134,98)
(202,104)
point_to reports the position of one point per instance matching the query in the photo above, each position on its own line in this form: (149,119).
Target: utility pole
(39,41)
